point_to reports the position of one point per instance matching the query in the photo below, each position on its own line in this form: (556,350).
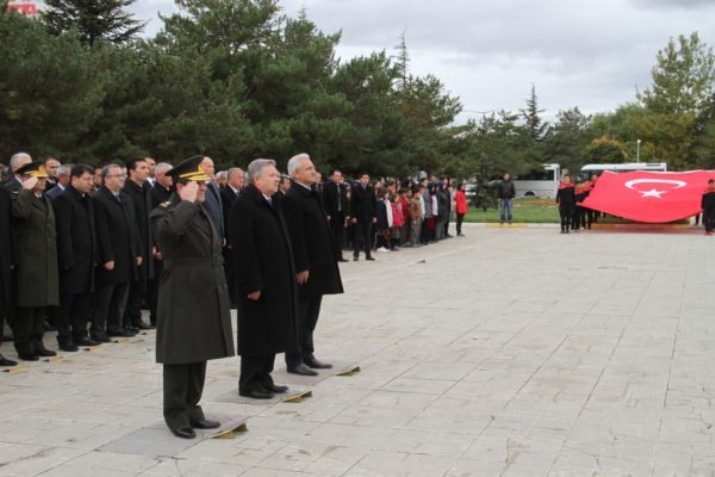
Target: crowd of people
(83,249)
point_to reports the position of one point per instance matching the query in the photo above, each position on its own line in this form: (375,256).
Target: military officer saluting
(193,320)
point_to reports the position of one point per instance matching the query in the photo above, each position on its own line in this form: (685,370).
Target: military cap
(189,170)
(33,169)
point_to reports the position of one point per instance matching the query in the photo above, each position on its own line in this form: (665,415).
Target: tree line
(238,79)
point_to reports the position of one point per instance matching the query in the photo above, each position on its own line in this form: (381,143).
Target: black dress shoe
(87,342)
(120,333)
(302,370)
(101,337)
(255,393)
(205,424)
(7,362)
(43,352)
(311,362)
(370,258)
(28,356)
(184,433)
(276,388)
(141,326)
(69,347)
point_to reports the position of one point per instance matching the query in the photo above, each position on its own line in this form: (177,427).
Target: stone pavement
(508,352)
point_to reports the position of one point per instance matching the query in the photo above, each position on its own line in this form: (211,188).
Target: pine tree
(95,20)
(402,61)
(535,127)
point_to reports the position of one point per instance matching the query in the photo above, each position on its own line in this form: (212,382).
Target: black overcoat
(193,314)
(76,241)
(312,242)
(363,203)
(142,201)
(262,260)
(36,281)
(6,252)
(117,237)
(332,194)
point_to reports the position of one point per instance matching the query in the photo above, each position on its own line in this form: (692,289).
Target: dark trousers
(183,386)
(708,219)
(73,316)
(363,237)
(446,225)
(256,371)
(308,312)
(133,311)
(566,216)
(337,224)
(460,219)
(28,327)
(228,271)
(109,302)
(153,290)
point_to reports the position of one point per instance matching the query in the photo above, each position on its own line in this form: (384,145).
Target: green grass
(534,211)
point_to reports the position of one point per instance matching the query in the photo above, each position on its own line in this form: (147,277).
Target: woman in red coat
(461,207)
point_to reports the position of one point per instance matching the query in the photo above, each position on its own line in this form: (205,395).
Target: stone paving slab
(513,351)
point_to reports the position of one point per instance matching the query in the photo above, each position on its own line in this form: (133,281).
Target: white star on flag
(653,193)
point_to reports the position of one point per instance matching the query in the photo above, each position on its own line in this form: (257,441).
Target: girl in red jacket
(461,207)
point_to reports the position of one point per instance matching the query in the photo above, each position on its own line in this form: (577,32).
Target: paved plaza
(511,351)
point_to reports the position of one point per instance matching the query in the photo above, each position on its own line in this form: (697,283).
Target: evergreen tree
(95,21)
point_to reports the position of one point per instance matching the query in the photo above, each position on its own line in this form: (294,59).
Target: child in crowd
(461,207)
(398,221)
(384,220)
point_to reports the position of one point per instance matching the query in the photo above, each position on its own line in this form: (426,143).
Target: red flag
(652,197)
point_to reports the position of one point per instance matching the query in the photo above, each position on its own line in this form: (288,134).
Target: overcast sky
(590,54)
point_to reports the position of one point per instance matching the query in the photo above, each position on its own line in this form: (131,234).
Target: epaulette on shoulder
(165,204)
(15,193)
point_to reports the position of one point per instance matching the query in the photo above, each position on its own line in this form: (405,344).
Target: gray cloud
(590,54)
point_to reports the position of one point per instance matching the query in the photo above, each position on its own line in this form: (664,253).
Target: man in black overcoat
(6,264)
(264,279)
(335,202)
(314,257)
(161,191)
(139,190)
(363,210)
(118,254)
(77,256)
(193,314)
(234,185)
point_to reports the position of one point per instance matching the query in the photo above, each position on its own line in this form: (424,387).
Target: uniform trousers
(183,386)
(28,327)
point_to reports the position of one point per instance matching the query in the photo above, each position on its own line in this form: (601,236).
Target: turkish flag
(652,197)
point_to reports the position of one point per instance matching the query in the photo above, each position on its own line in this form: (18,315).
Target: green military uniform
(193,314)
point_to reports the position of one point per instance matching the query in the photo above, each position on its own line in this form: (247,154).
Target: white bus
(597,169)
(539,183)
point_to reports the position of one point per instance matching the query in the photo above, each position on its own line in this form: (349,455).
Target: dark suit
(77,256)
(335,202)
(141,199)
(159,195)
(313,250)
(263,261)
(118,242)
(228,196)
(53,193)
(363,208)
(214,208)
(193,321)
